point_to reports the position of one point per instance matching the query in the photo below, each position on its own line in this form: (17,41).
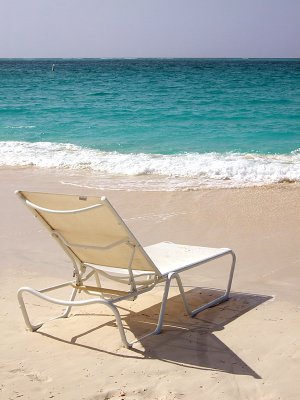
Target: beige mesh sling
(101,246)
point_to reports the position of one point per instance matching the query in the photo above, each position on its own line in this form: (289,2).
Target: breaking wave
(208,169)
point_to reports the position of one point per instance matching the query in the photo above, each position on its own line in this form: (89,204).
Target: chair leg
(29,325)
(183,296)
(68,309)
(214,302)
(160,321)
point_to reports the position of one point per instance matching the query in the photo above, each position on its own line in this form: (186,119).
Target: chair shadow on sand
(185,341)
(191,342)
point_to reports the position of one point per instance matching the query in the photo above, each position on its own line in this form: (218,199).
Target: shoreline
(95,180)
(247,347)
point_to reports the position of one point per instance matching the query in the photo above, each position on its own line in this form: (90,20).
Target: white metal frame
(139,281)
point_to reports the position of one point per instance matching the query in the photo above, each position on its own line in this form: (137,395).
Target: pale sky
(149,28)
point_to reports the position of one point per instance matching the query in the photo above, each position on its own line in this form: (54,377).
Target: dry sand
(245,348)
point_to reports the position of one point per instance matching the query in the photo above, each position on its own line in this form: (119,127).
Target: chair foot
(212,303)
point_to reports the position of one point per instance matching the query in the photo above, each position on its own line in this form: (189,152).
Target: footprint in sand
(31,375)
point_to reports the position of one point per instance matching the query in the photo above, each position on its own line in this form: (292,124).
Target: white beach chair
(99,243)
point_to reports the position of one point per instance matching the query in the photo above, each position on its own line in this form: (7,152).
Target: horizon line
(149,58)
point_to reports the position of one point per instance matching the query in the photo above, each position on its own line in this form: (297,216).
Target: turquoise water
(194,117)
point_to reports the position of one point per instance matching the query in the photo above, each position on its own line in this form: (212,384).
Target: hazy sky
(149,28)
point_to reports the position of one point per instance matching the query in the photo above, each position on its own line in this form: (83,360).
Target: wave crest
(209,169)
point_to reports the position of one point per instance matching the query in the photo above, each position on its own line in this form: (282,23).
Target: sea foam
(178,170)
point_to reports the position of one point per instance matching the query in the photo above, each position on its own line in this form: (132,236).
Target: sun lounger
(100,244)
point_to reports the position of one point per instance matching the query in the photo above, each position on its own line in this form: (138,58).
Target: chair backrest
(89,229)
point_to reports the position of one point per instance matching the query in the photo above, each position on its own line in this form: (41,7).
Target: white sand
(246,348)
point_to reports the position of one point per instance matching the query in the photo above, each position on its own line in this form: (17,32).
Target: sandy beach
(245,348)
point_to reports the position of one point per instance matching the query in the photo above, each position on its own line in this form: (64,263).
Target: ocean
(154,124)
